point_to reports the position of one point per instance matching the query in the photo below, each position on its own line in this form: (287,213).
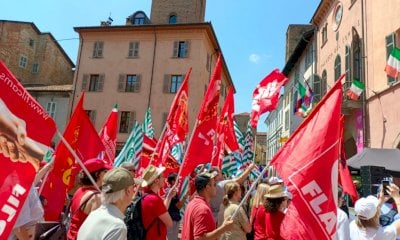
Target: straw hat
(276,191)
(150,174)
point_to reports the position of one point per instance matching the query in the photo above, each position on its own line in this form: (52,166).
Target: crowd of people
(211,207)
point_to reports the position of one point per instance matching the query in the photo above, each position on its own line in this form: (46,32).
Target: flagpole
(187,147)
(157,144)
(77,159)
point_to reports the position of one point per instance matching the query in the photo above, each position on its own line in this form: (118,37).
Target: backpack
(133,220)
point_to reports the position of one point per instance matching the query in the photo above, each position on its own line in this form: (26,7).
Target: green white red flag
(108,135)
(393,63)
(26,131)
(84,140)
(200,147)
(355,89)
(310,171)
(304,100)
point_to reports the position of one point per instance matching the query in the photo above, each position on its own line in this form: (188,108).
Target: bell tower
(177,11)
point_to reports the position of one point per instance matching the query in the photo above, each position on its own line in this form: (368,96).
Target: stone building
(41,65)
(142,64)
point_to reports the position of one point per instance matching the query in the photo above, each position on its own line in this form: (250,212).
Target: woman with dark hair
(86,198)
(275,205)
(230,203)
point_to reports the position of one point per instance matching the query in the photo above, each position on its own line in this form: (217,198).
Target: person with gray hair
(107,222)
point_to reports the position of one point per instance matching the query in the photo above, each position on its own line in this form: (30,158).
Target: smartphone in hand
(385,184)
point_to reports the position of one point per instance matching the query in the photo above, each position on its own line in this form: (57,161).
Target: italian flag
(355,89)
(393,64)
(304,100)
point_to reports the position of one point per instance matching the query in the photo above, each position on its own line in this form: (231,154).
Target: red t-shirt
(77,215)
(273,225)
(152,207)
(198,219)
(258,216)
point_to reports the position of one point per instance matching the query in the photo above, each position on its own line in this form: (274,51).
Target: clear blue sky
(251,33)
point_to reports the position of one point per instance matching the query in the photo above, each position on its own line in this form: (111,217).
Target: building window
(172,19)
(181,49)
(51,109)
(337,67)
(31,42)
(129,83)
(309,58)
(23,61)
(324,34)
(126,121)
(317,89)
(98,49)
(139,19)
(347,68)
(92,115)
(323,83)
(390,44)
(95,81)
(133,51)
(286,120)
(356,52)
(35,68)
(176,81)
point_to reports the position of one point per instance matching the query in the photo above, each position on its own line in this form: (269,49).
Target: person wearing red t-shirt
(275,205)
(198,221)
(155,216)
(257,216)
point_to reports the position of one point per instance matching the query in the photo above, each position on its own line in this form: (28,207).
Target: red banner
(201,145)
(84,140)
(308,165)
(108,136)
(25,131)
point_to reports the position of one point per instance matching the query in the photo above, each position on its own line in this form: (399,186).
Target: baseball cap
(366,207)
(95,164)
(116,180)
(203,179)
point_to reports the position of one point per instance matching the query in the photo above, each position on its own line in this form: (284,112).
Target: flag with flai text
(108,135)
(310,171)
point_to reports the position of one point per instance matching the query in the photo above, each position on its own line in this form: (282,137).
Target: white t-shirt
(382,233)
(343,232)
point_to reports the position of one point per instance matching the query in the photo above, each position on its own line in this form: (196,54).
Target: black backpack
(133,220)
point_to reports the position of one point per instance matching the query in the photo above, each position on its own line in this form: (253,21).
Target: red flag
(344,174)
(225,131)
(149,145)
(177,121)
(308,165)
(108,135)
(84,140)
(266,94)
(25,132)
(201,145)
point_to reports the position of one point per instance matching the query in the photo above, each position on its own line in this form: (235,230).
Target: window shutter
(187,45)
(132,117)
(101,83)
(95,49)
(390,41)
(167,82)
(136,49)
(85,82)
(138,83)
(93,116)
(130,49)
(100,50)
(176,49)
(121,83)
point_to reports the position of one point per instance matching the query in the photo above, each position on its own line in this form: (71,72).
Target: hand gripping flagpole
(77,159)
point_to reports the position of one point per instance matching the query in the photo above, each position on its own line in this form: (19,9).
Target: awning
(381,157)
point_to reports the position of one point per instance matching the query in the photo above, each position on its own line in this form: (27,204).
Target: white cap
(274,180)
(366,207)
